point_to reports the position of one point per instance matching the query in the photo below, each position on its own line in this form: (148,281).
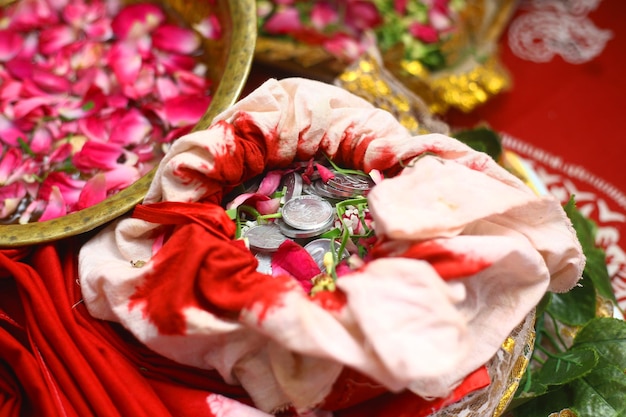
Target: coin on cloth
(319,247)
(352,183)
(293,184)
(307,212)
(294,233)
(326,191)
(264,237)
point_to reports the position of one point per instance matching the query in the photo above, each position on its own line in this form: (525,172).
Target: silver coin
(319,247)
(325,190)
(351,182)
(265,237)
(307,212)
(304,234)
(293,184)
(265,263)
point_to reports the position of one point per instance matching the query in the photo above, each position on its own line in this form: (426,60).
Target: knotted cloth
(465,251)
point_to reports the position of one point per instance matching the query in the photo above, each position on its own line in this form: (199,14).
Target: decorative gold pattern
(506,369)
(604,306)
(228,61)
(369,80)
(509,345)
(464,90)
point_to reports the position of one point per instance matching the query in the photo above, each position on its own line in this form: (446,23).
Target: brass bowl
(228,60)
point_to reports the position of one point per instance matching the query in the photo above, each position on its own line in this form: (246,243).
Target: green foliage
(595,268)
(587,375)
(481,139)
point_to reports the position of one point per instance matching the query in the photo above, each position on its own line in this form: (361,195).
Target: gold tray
(228,60)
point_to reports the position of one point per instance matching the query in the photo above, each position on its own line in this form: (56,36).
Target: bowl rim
(238,64)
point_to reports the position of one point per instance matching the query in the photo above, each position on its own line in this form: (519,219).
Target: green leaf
(88,105)
(543,304)
(481,139)
(575,307)
(608,337)
(25,147)
(595,268)
(602,393)
(585,228)
(331,234)
(552,402)
(596,271)
(565,367)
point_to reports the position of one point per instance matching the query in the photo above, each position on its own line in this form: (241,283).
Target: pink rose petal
(166,88)
(293,260)
(324,172)
(175,39)
(25,106)
(9,133)
(41,140)
(97,155)
(95,128)
(125,62)
(136,20)
(56,205)
(323,14)
(10,44)
(344,47)
(131,128)
(93,193)
(270,182)
(61,153)
(283,22)
(362,15)
(424,33)
(185,110)
(250,198)
(11,161)
(209,27)
(120,177)
(190,84)
(270,206)
(69,187)
(33,14)
(52,39)
(168,63)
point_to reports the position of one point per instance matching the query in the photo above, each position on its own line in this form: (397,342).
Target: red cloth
(57,360)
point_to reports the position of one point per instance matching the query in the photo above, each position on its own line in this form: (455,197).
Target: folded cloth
(464,252)
(57,360)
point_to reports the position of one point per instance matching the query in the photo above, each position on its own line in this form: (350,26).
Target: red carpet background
(565,111)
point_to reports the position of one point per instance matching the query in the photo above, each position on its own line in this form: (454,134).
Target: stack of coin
(342,186)
(306,216)
(307,212)
(264,237)
(319,247)
(292,182)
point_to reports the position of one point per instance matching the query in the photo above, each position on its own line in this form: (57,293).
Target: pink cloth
(465,252)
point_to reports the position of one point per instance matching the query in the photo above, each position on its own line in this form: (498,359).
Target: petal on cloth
(417,317)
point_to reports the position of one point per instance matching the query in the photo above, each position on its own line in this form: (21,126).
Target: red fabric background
(576,111)
(573,115)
